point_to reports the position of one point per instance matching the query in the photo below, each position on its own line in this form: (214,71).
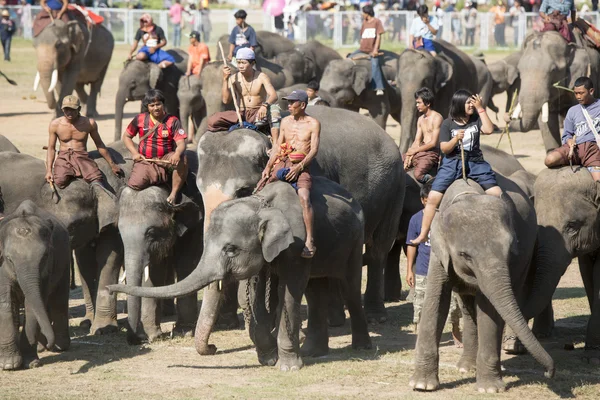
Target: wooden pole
(237,108)
(506,130)
(462,159)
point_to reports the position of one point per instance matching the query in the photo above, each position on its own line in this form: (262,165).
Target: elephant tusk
(516,112)
(545,112)
(36,82)
(220,285)
(53,81)
(146,273)
(123,278)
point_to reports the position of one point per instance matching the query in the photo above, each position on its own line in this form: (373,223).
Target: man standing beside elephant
(161,147)
(580,133)
(555,13)
(73,161)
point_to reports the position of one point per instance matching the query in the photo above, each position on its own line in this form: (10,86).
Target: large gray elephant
(566,204)
(158,238)
(490,279)
(191,103)
(317,57)
(138,77)
(349,82)
(69,56)
(266,232)
(548,60)
(34,273)
(451,69)
(505,74)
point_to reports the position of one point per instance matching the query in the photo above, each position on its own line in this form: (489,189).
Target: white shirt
(419,29)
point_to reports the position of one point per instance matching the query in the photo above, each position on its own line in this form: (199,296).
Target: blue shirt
(575,123)
(564,7)
(241,38)
(424,249)
(54,4)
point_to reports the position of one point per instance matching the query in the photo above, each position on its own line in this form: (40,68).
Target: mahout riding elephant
(547,62)
(505,74)
(265,234)
(451,69)
(488,268)
(137,77)
(158,238)
(191,103)
(69,56)
(35,256)
(566,204)
(349,83)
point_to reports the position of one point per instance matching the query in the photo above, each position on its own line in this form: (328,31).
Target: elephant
(90,216)
(138,77)
(548,61)
(191,103)
(451,69)
(161,238)
(269,45)
(571,230)
(348,81)
(488,269)
(265,232)
(317,57)
(69,56)
(34,273)
(7,145)
(505,74)
(230,166)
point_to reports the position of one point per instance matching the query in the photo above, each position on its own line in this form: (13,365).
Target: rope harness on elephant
(462,194)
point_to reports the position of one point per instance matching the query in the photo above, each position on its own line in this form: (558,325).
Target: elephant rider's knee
(553,159)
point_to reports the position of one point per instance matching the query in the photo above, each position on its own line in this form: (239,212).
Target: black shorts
(451,170)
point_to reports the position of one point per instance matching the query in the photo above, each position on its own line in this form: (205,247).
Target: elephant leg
(91,102)
(82,94)
(168,305)
(489,331)
(109,258)
(187,306)
(259,318)
(351,290)
(72,285)
(151,308)
(86,263)
(591,278)
(228,318)
(393,283)
(58,310)
(335,303)
(374,306)
(10,355)
(433,318)
(67,81)
(550,131)
(468,359)
(317,336)
(543,324)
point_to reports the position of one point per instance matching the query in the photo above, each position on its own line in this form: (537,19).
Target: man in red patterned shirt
(161,147)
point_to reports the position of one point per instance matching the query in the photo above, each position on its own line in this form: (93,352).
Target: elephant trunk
(134,269)
(209,312)
(184,116)
(49,80)
(531,104)
(497,288)
(30,285)
(408,120)
(120,101)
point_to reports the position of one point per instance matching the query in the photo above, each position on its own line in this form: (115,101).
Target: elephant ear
(76,36)
(439,245)
(360,79)
(187,214)
(155,75)
(274,233)
(512,74)
(107,207)
(443,72)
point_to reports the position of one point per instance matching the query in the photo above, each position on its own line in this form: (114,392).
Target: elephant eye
(244,191)
(573,227)
(231,250)
(465,256)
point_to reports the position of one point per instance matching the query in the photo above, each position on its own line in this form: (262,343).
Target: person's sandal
(307,253)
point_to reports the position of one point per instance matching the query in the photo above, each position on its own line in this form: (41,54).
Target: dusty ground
(106,367)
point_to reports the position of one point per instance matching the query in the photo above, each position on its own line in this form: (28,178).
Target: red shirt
(162,141)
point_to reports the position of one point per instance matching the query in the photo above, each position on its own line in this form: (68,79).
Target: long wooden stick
(237,108)
(462,159)
(506,130)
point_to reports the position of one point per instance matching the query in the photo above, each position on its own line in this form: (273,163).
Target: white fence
(337,29)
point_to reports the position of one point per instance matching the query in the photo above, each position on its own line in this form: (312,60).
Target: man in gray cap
(253,91)
(297,146)
(72,132)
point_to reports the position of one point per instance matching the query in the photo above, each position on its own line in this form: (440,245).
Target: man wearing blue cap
(253,91)
(298,144)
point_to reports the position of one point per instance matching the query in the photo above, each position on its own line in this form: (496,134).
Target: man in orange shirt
(499,23)
(199,55)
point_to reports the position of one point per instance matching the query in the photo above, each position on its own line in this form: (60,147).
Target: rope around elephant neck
(461,194)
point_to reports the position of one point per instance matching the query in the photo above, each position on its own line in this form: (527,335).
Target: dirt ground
(105,367)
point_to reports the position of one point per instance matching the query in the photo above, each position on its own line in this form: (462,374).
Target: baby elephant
(34,272)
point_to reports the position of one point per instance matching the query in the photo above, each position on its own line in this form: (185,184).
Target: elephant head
(57,47)
(191,101)
(567,229)
(26,256)
(346,80)
(134,82)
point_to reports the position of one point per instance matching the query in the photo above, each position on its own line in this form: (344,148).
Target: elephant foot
(10,363)
(61,344)
(269,358)
(291,362)
(337,316)
(133,339)
(376,315)
(41,347)
(591,355)
(227,321)
(465,365)
(86,324)
(183,330)
(31,363)
(154,334)
(512,345)
(314,348)
(362,342)
(105,330)
(422,380)
(490,384)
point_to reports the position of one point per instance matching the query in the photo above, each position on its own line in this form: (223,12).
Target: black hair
(151,96)
(368,9)
(425,189)
(240,14)
(422,10)
(457,104)
(314,85)
(322,103)
(585,82)
(426,95)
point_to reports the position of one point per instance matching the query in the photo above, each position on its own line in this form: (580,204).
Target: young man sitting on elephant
(555,13)
(254,93)
(161,147)
(199,55)
(461,129)
(580,134)
(298,145)
(154,39)
(423,30)
(72,132)
(424,154)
